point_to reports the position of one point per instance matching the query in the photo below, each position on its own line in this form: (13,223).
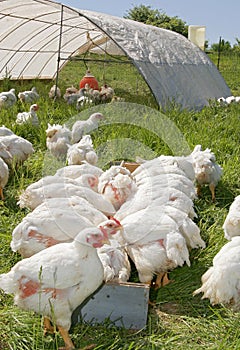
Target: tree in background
(236,47)
(222,46)
(147,15)
(158,18)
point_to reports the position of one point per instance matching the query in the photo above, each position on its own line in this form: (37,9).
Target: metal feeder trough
(122,304)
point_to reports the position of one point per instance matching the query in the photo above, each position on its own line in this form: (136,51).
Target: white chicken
(106,93)
(84,99)
(5,154)
(170,197)
(29,96)
(179,200)
(54,92)
(160,190)
(4,131)
(118,190)
(88,180)
(55,221)
(230,99)
(19,148)
(164,165)
(154,244)
(4,175)
(144,197)
(231,225)
(58,139)
(221,282)
(71,95)
(110,174)
(115,262)
(71,90)
(222,101)
(7,98)
(207,170)
(57,187)
(116,185)
(83,150)
(29,117)
(164,181)
(160,243)
(75,171)
(56,280)
(73,99)
(82,127)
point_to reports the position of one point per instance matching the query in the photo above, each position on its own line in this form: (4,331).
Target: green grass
(229,68)
(178,320)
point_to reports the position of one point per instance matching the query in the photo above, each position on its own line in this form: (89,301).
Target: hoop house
(37,37)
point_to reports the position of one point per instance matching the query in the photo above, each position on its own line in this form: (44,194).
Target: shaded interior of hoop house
(37,37)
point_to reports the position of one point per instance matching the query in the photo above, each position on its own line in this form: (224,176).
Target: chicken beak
(105,237)
(106,241)
(119,228)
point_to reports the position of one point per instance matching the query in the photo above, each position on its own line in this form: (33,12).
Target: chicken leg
(1,194)
(68,342)
(198,190)
(162,280)
(48,328)
(212,189)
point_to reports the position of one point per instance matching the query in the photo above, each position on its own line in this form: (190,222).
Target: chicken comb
(117,221)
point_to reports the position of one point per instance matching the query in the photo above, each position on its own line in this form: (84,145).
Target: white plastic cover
(37,34)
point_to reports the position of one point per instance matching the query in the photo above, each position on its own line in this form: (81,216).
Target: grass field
(178,320)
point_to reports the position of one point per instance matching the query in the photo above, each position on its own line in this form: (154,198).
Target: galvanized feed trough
(122,304)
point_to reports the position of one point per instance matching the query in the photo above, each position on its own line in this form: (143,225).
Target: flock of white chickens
(14,149)
(9,98)
(86,95)
(73,96)
(85,225)
(73,145)
(228,100)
